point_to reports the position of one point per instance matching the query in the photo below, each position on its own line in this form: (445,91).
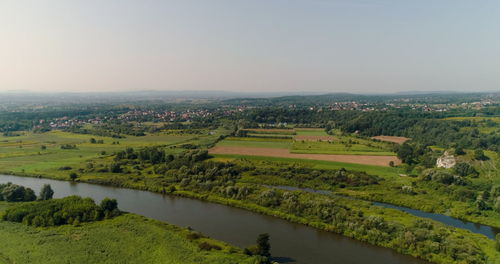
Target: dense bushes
(442,176)
(423,238)
(15,193)
(69,210)
(299,175)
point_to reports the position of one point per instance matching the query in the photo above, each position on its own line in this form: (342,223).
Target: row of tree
(16,193)
(68,210)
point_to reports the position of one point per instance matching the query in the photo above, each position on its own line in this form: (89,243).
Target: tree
(46,193)
(73,176)
(497,244)
(479,155)
(459,151)
(405,153)
(465,169)
(496,206)
(263,245)
(92,141)
(108,204)
(16,193)
(115,168)
(109,207)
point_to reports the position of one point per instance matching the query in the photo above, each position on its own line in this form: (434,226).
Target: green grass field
(24,154)
(255,142)
(125,239)
(270,131)
(311,132)
(257,135)
(320,164)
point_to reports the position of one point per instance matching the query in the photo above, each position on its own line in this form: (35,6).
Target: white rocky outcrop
(446,161)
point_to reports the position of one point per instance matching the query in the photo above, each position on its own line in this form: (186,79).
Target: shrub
(73,176)
(15,193)
(479,155)
(208,246)
(46,193)
(465,169)
(109,207)
(69,210)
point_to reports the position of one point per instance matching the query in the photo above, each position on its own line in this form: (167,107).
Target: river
(291,243)
(488,231)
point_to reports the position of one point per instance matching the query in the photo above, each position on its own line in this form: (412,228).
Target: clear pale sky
(253,45)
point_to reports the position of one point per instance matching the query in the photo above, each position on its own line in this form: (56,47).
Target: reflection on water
(291,243)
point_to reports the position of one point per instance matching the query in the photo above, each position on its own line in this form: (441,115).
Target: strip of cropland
(398,140)
(284,153)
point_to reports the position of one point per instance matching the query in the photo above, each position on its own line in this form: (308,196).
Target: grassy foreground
(128,238)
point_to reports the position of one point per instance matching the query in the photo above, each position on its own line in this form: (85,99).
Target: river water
(488,231)
(291,243)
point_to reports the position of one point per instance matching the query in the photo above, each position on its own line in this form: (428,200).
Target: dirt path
(283,153)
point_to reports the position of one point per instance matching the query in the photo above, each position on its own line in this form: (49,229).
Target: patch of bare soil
(398,140)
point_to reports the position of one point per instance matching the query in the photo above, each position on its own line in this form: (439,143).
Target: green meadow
(128,238)
(255,142)
(40,153)
(310,132)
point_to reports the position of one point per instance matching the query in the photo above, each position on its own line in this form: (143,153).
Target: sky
(360,46)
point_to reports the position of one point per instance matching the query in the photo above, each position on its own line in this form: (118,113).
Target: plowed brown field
(283,153)
(399,140)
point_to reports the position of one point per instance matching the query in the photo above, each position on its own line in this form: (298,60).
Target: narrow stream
(291,243)
(488,231)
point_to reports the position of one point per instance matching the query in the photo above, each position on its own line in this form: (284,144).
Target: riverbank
(391,216)
(128,238)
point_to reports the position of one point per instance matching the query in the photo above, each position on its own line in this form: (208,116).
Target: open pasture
(42,153)
(128,238)
(255,142)
(282,136)
(279,131)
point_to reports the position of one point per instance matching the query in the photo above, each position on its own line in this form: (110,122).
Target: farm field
(39,153)
(310,132)
(255,142)
(338,148)
(284,153)
(270,131)
(393,139)
(341,144)
(128,238)
(311,143)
